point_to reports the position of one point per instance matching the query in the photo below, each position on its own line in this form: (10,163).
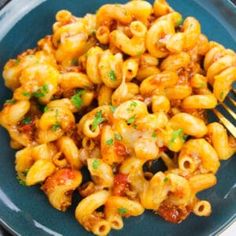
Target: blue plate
(26,211)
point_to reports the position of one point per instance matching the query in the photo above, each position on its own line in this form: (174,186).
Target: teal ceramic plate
(26,211)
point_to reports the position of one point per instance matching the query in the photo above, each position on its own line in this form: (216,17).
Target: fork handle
(233,1)
(3,3)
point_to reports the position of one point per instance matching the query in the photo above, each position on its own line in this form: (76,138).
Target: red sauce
(120,149)
(26,128)
(60,177)
(120,184)
(172,213)
(162,149)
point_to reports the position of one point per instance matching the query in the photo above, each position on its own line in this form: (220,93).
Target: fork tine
(232,113)
(234,91)
(233,102)
(230,127)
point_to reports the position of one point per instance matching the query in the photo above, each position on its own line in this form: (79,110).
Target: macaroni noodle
(115,92)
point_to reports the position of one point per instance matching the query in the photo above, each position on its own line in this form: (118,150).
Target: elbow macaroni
(115,92)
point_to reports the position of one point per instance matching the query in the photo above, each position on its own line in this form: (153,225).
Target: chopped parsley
(17,61)
(202,85)
(191,26)
(110,142)
(74,62)
(222,95)
(25,172)
(95,164)
(57,113)
(118,137)
(21,181)
(41,92)
(26,121)
(125,12)
(132,106)
(113,108)
(131,120)
(166,179)
(177,134)
(98,119)
(40,107)
(122,211)
(10,101)
(26,94)
(180,21)
(76,100)
(112,75)
(154,134)
(55,127)
(139,54)
(88,53)
(93,33)
(45,109)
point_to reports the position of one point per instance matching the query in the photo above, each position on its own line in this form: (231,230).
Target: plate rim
(11,13)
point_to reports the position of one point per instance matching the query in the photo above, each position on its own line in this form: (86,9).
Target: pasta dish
(112,94)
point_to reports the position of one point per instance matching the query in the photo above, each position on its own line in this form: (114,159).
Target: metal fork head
(228,124)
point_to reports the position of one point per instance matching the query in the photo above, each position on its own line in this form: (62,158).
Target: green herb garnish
(110,142)
(57,113)
(122,211)
(132,106)
(25,172)
(55,127)
(93,33)
(140,53)
(41,92)
(76,100)
(202,85)
(131,120)
(154,134)
(45,109)
(222,95)
(118,137)
(17,61)
(10,101)
(180,21)
(98,119)
(74,62)
(26,94)
(26,121)
(112,75)
(166,180)
(113,108)
(21,181)
(95,164)
(177,134)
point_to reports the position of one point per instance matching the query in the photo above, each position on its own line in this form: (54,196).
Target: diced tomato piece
(172,213)
(120,149)
(162,149)
(120,184)
(26,128)
(61,177)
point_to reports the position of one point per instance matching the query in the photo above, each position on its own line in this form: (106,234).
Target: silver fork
(229,126)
